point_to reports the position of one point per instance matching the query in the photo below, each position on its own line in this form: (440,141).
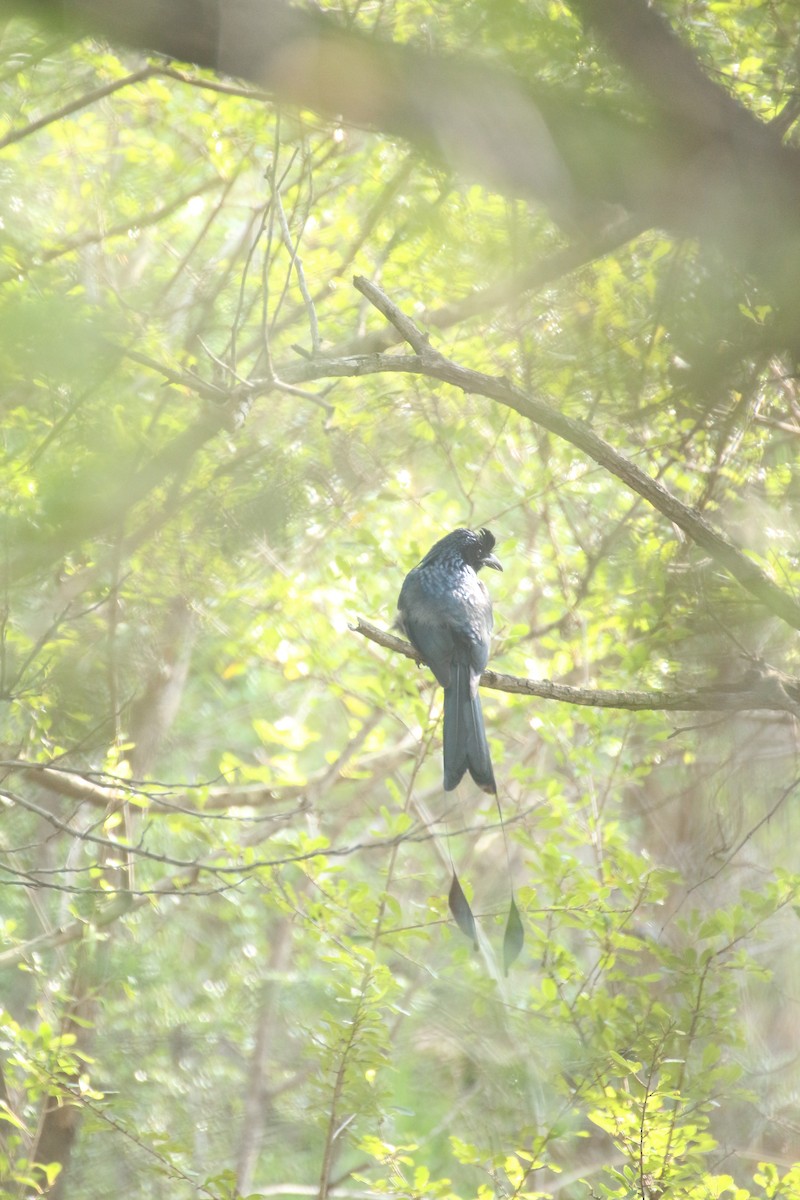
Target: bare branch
(756,690)
(240,870)
(408,330)
(158,797)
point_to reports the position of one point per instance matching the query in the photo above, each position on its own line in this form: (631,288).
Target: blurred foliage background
(228,964)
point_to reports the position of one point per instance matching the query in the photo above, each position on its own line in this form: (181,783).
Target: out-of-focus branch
(693,159)
(116,908)
(157,798)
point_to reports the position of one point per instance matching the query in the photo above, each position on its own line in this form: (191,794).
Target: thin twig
(297,265)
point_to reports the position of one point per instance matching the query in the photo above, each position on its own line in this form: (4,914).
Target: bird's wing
(422,623)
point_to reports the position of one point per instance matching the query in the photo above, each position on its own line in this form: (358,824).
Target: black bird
(445,612)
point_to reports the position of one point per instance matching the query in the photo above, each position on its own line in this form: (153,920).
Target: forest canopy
(286,294)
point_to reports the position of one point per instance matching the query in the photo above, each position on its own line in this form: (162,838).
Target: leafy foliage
(229,967)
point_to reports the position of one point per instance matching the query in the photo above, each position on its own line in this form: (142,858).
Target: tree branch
(83,101)
(430,363)
(120,904)
(84,787)
(757,689)
(665,67)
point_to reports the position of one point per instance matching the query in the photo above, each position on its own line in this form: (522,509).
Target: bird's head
(481,545)
(474,546)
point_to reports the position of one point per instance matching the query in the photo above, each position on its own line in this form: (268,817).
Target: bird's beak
(492,562)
